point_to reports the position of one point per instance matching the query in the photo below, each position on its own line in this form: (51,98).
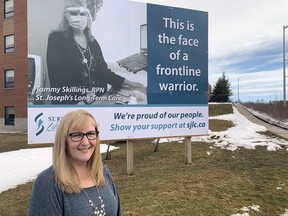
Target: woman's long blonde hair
(65,174)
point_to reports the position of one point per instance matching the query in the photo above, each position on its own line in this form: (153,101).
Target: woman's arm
(111,182)
(135,85)
(46,198)
(55,60)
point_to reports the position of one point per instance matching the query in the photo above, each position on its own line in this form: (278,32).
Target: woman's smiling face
(80,151)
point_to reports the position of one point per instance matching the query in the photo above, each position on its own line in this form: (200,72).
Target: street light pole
(239,85)
(284,66)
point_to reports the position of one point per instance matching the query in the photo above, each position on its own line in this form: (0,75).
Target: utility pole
(239,87)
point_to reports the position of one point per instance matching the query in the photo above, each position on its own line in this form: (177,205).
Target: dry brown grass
(16,141)
(274,109)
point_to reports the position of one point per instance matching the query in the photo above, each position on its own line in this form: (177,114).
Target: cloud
(257,57)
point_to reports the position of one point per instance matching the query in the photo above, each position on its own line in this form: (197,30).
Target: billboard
(140,69)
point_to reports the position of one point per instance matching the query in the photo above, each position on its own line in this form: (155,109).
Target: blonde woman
(77,183)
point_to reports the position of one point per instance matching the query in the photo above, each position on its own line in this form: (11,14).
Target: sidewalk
(276,130)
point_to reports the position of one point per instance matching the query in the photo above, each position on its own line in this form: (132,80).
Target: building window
(9,43)
(8,8)
(9,79)
(9,116)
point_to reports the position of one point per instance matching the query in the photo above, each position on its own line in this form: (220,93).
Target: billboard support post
(188,152)
(130,150)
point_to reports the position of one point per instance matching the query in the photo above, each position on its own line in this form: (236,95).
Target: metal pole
(239,88)
(284,67)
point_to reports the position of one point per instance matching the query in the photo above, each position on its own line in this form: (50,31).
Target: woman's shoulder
(105,168)
(47,174)
(95,43)
(46,181)
(57,35)
(106,171)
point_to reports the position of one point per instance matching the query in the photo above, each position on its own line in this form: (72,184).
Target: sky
(19,167)
(245,38)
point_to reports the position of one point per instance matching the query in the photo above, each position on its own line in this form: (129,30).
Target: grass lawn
(214,185)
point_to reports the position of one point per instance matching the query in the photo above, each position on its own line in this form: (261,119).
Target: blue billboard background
(177,55)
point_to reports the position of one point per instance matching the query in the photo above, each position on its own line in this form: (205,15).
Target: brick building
(13,65)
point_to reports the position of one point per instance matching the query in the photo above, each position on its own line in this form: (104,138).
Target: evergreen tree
(222,89)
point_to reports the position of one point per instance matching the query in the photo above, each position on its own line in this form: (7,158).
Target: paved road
(274,129)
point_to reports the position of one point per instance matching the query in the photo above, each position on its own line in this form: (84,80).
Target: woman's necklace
(98,212)
(84,59)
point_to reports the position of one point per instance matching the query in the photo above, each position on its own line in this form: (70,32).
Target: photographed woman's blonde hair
(65,174)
